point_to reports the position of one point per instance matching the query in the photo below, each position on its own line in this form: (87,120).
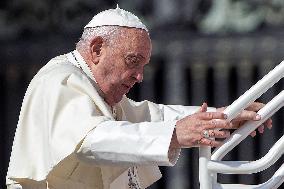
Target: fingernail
(257,117)
(225,116)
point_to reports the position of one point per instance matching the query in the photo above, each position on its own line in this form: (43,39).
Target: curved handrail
(237,136)
(255,91)
(242,102)
(210,165)
(274,182)
(248,167)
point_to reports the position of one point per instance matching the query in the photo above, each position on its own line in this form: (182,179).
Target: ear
(96,49)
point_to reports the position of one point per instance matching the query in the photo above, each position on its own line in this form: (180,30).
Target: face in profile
(122,64)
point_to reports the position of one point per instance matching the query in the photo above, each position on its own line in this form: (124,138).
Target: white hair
(108,33)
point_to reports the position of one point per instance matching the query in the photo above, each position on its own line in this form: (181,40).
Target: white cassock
(69,138)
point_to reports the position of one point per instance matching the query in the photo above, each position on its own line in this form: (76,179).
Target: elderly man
(77,129)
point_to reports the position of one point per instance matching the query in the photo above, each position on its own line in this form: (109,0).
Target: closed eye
(133,61)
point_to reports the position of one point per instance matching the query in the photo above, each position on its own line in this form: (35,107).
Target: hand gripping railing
(211,164)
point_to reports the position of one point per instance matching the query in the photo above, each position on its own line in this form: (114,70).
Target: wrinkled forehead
(136,40)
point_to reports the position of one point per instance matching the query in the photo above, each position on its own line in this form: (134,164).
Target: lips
(127,87)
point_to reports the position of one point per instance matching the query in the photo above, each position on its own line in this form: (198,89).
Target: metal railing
(211,164)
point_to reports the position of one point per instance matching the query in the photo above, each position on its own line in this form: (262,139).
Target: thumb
(203,108)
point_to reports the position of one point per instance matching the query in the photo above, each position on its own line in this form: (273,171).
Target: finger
(211,115)
(209,142)
(268,123)
(261,128)
(247,115)
(215,123)
(203,107)
(255,106)
(253,134)
(219,134)
(236,124)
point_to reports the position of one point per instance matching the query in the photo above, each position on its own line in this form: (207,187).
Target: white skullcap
(116,17)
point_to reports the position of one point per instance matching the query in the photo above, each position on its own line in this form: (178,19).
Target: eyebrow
(136,54)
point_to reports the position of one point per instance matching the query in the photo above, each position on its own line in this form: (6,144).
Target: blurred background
(203,50)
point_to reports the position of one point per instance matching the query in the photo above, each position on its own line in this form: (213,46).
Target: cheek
(115,72)
(115,79)
(126,76)
(109,73)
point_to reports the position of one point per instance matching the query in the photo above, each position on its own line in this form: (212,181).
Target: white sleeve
(136,142)
(149,111)
(176,112)
(122,142)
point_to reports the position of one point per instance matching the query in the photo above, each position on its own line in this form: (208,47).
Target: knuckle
(214,123)
(225,124)
(207,142)
(199,124)
(200,129)
(198,142)
(260,105)
(225,134)
(228,124)
(231,125)
(209,115)
(220,134)
(211,143)
(252,114)
(202,141)
(198,115)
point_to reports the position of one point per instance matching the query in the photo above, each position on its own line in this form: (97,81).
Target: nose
(138,74)
(139,77)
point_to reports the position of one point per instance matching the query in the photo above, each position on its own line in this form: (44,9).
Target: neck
(110,103)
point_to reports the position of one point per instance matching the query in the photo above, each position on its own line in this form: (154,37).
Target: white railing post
(210,165)
(204,173)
